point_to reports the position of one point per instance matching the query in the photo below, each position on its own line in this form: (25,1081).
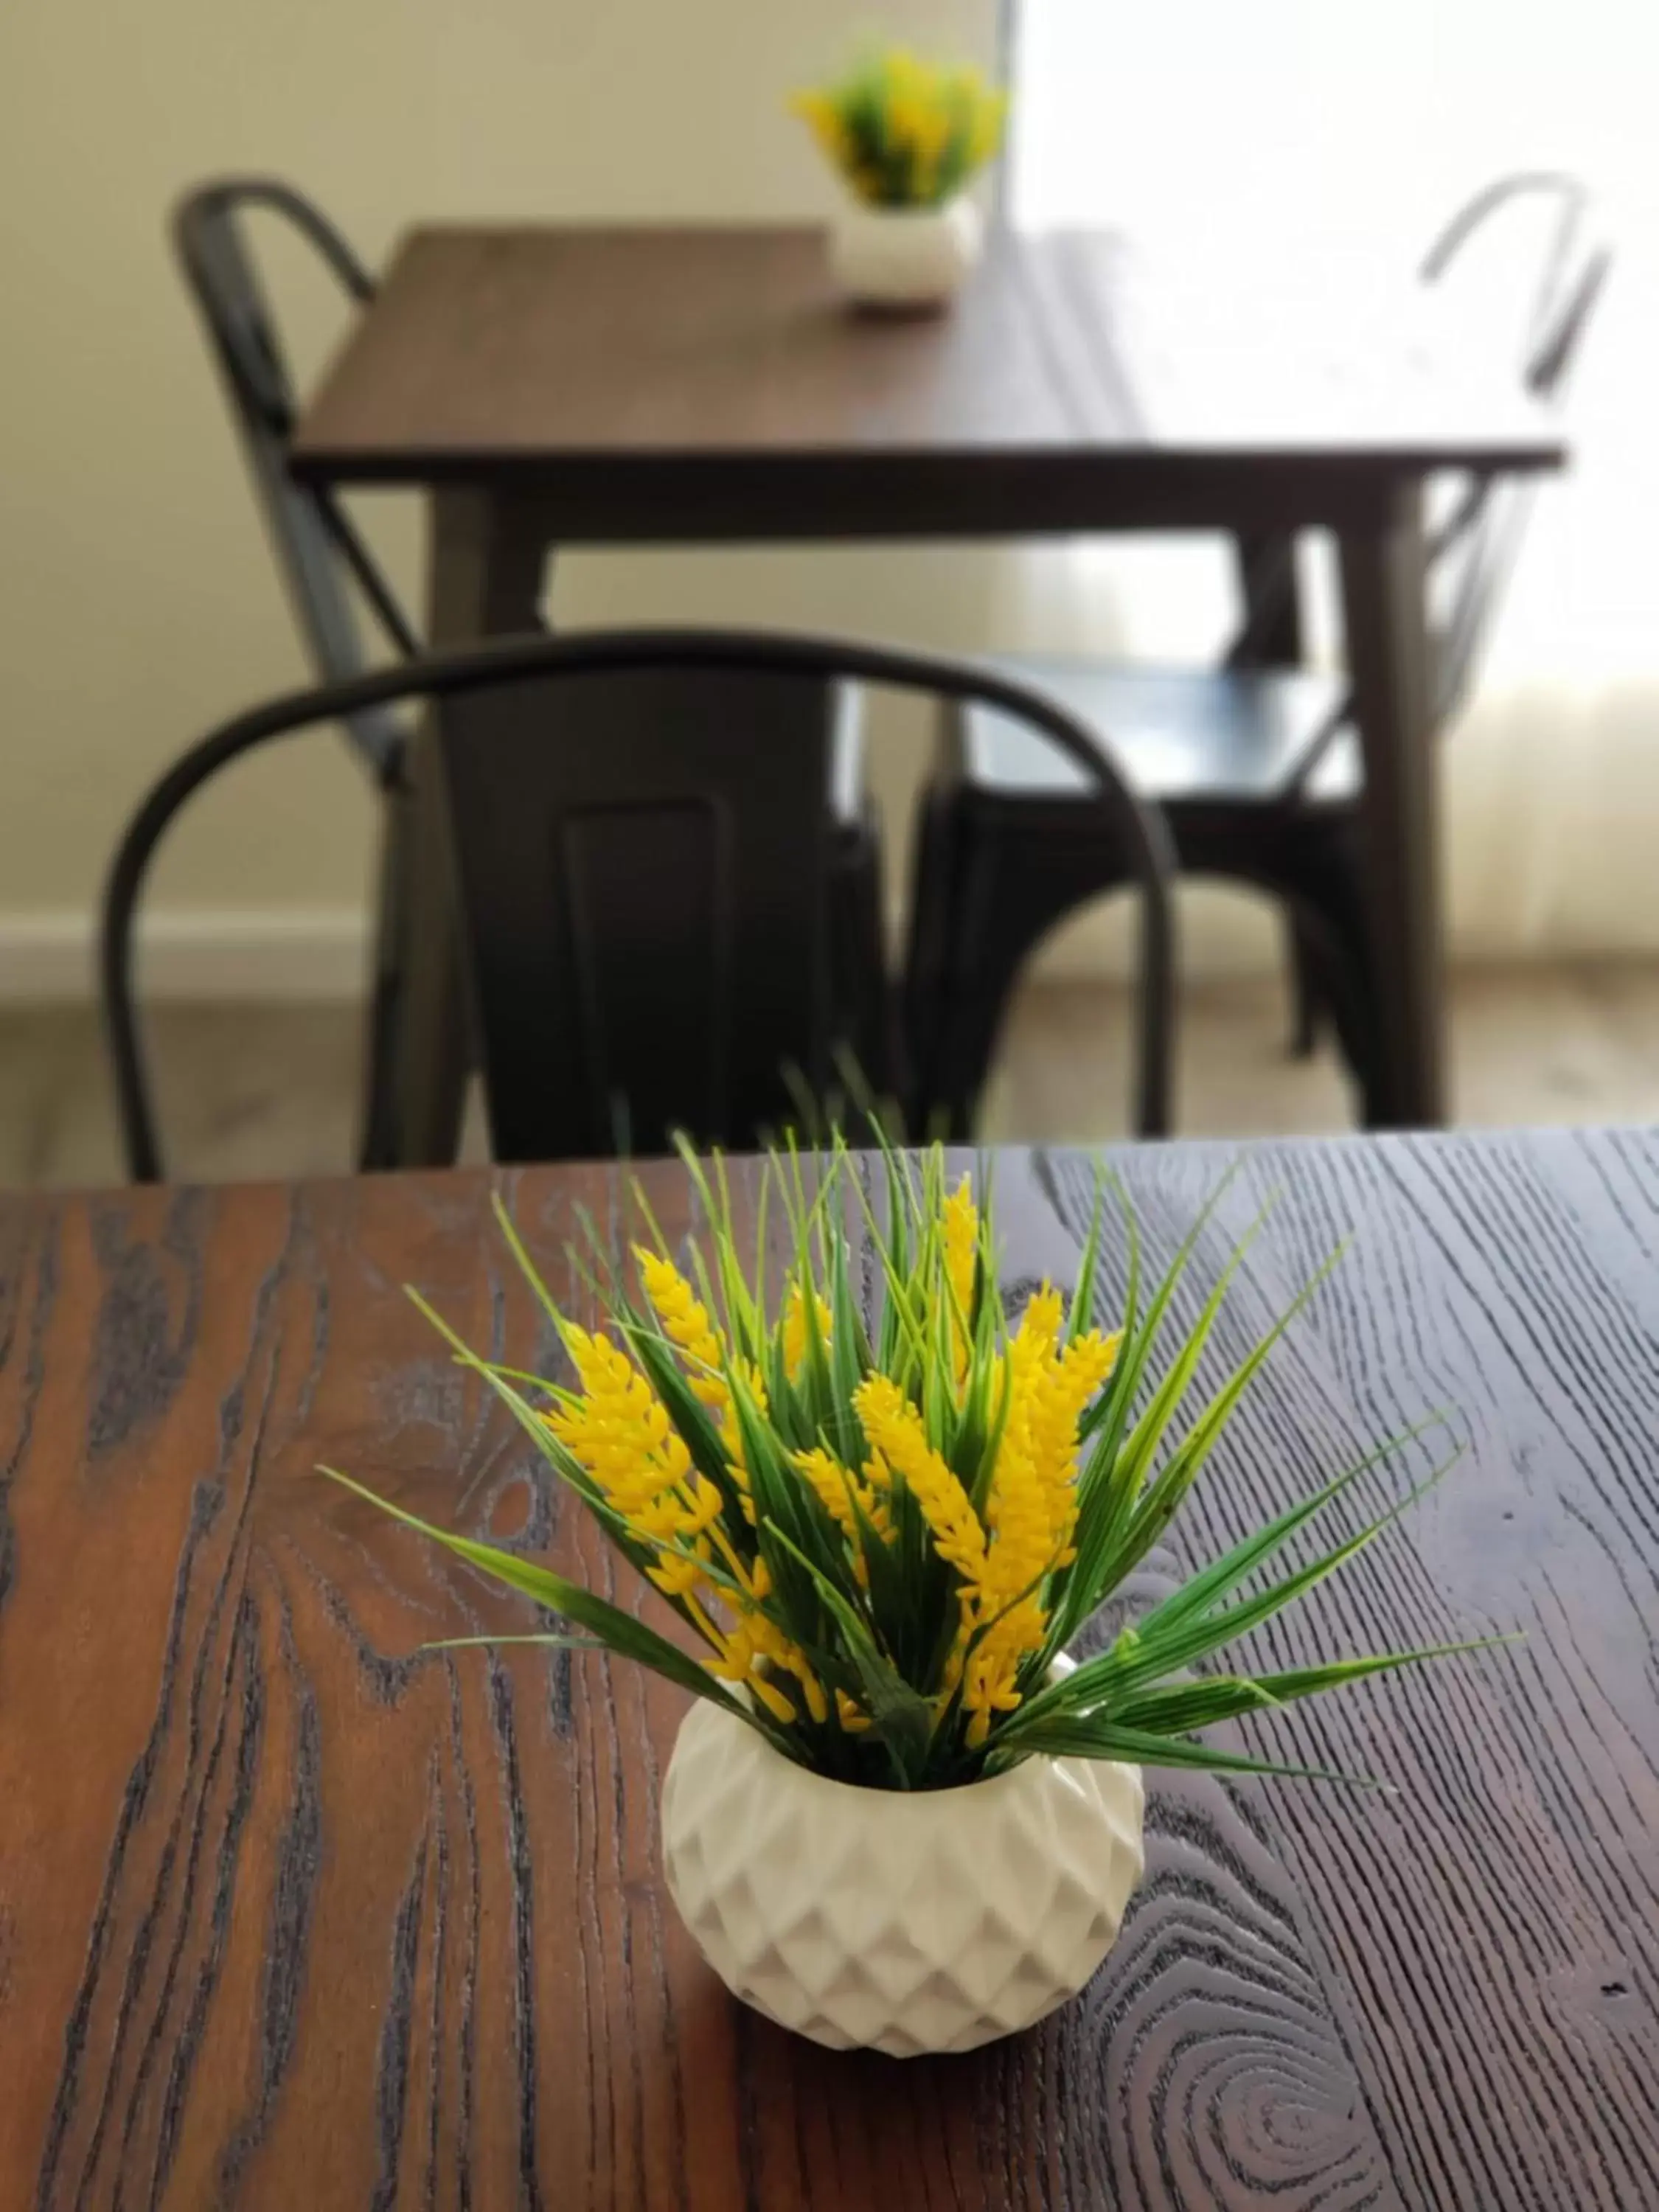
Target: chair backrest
(642,847)
(1473,553)
(643,866)
(320,554)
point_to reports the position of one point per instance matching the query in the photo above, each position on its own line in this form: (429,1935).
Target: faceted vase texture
(904,1922)
(904,257)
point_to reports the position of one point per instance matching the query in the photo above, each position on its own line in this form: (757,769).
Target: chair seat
(1179,734)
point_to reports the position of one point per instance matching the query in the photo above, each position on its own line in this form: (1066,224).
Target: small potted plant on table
(898,1815)
(907,139)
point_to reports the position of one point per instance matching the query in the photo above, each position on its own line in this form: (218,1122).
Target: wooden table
(604,386)
(291,1915)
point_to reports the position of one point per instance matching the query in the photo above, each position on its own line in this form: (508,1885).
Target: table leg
(488,556)
(1270,635)
(1385,619)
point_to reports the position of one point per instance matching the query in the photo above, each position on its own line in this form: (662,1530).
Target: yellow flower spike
(930,134)
(961,1260)
(677,1576)
(833,1486)
(619,1432)
(772,1698)
(904,70)
(794,1327)
(686,1325)
(894,1430)
(1033,1503)
(985,132)
(853,1722)
(817,1706)
(618,1429)
(838,1490)
(1045,1309)
(767,1642)
(754,1642)
(1022,1508)
(734,1652)
(740,1574)
(906,119)
(1066,1388)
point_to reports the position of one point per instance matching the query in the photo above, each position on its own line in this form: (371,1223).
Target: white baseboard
(271,953)
(320,954)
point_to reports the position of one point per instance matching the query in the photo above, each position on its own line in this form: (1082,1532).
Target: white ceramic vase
(901,258)
(906,1922)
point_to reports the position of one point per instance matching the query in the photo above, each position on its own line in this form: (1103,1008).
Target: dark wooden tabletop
(291,1915)
(555,355)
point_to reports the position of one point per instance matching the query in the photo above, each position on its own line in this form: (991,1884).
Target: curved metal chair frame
(1138,830)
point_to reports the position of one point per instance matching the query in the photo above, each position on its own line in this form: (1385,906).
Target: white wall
(136,599)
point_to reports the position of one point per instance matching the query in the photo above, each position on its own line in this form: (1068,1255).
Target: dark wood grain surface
(291,1915)
(646,369)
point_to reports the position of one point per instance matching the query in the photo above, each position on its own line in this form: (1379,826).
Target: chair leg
(930,924)
(864,1009)
(377,1130)
(972,1011)
(1331,933)
(420,1050)
(1307,1002)
(1003,901)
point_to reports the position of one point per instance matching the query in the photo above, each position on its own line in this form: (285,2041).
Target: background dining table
(296,1912)
(558,387)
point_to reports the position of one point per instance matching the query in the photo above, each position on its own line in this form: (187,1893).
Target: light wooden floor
(1529,1048)
(270,1091)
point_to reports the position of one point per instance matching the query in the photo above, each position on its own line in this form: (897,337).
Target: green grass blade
(1216,1581)
(555,1643)
(563,1464)
(527,1266)
(1147,1433)
(1173,1635)
(618,1631)
(1145,1747)
(1163,1497)
(1177,1707)
(1158,1650)
(899,1715)
(661,1368)
(1112,1407)
(1080,1318)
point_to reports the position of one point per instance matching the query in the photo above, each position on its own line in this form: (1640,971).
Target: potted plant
(897,1814)
(906,138)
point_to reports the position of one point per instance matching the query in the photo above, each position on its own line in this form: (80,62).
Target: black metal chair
(644,864)
(416,1036)
(1256,768)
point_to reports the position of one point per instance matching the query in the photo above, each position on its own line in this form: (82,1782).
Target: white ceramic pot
(907,1922)
(903,257)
